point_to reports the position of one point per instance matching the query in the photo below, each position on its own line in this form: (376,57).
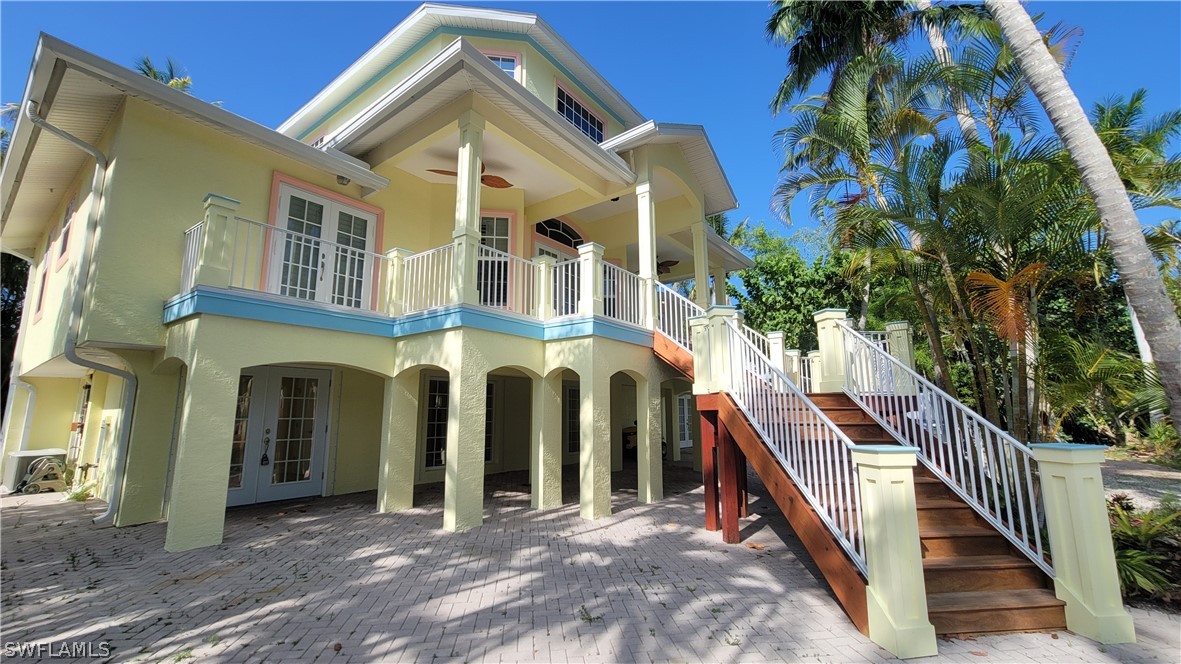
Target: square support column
(701,291)
(791,365)
(778,351)
(146,477)
(649,430)
(1080,541)
(467,208)
(391,297)
(709,468)
(399,438)
(463,486)
(896,597)
(720,295)
(594,441)
(544,265)
(197,500)
(545,466)
(832,350)
(646,234)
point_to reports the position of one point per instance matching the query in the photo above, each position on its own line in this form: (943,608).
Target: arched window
(559,232)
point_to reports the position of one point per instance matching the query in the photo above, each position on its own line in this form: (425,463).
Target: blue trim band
(252,306)
(458,32)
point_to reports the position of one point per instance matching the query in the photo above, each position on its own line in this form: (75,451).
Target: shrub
(1147,548)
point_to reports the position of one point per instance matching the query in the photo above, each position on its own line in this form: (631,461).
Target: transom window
(560,232)
(507,63)
(580,116)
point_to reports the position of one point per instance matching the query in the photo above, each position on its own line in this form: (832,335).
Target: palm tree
(172,75)
(1142,281)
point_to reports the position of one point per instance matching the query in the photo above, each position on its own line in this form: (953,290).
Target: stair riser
(944,547)
(965,580)
(1002,620)
(829,400)
(959,516)
(925,490)
(848,416)
(861,430)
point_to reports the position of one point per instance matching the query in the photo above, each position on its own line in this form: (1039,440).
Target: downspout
(131,384)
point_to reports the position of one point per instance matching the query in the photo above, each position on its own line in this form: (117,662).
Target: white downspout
(131,384)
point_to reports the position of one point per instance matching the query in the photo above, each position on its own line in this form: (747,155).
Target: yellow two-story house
(453,261)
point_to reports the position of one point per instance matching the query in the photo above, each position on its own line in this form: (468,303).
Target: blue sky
(696,62)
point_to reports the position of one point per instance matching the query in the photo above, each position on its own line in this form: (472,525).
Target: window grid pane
(579,116)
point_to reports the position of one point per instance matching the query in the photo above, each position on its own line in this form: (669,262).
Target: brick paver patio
(329,580)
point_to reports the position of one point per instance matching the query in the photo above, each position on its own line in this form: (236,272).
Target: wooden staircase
(975,581)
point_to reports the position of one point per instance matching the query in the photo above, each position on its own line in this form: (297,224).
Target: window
(63,236)
(573,408)
(39,303)
(436,422)
(560,232)
(580,116)
(506,62)
(494,232)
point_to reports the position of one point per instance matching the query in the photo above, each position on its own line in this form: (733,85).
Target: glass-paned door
(280,435)
(492,275)
(685,419)
(572,416)
(435,437)
(322,249)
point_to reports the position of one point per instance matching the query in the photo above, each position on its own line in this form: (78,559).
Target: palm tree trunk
(984,378)
(963,114)
(1142,282)
(934,336)
(863,319)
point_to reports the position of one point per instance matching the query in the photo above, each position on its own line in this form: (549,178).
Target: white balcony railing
(566,281)
(673,312)
(506,282)
(427,279)
(194,238)
(274,260)
(623,295)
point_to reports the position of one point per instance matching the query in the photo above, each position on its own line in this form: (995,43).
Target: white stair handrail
(813,450)
(991,470)
(673,312)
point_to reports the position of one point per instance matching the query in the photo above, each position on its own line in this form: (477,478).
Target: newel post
(545,286)
(1080,541)
(791,364)
(395,280)
(896,597)
(217,243)
(898,336)
(590,290)
(778,351)
(832,350)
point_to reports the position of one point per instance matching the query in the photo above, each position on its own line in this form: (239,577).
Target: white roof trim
(738,260)
(398,41)
(51,51)
(461,55)
(712,178)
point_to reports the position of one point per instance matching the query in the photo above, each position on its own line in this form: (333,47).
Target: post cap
(885,456)
(1068,453)
(221,201)
(830,314)
(591,248)
(545,260)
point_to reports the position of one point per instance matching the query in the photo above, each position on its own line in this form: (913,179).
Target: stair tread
(957,531)
(940,504)
(977,562)
(992,600)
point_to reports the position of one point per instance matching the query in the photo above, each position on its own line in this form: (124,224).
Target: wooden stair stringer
(842,575)
(676,357)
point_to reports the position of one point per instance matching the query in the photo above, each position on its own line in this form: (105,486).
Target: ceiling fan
(494,181)
(664,267)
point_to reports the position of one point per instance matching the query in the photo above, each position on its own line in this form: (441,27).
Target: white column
(545,286)
(213,263)
(720,296)
(395,276)
(701,290)
(832,350)
(590,291)
(646,234)
(1080,541)
(896,599)
(467,207)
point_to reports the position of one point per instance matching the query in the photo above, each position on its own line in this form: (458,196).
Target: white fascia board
(461,55)
(184,104)
(23,130)
(653,132)
(440,14)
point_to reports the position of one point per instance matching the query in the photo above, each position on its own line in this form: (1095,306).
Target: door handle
(266,445)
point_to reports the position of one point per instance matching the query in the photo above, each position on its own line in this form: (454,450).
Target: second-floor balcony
(274,264)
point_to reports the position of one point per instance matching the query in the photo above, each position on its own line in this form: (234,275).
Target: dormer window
(579,115)
(507,62)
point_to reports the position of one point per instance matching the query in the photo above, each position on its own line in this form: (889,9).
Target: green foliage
(1147,547)
(782,290)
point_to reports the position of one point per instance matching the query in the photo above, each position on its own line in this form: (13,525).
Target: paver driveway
(329,580)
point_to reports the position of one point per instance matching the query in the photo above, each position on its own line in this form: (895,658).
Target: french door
(323,250)
(492,272)
(280,435)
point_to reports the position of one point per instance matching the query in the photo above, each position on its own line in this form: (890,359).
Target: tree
(172,75)
(1137,269)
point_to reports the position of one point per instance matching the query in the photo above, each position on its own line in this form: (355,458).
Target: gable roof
(430,18)
(80,92)
(698,151)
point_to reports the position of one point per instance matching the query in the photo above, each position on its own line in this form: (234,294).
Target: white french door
(280,435)
(492,273)
(323,250)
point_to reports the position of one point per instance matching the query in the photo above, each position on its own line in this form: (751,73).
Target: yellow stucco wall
(57,399)
(356,445)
